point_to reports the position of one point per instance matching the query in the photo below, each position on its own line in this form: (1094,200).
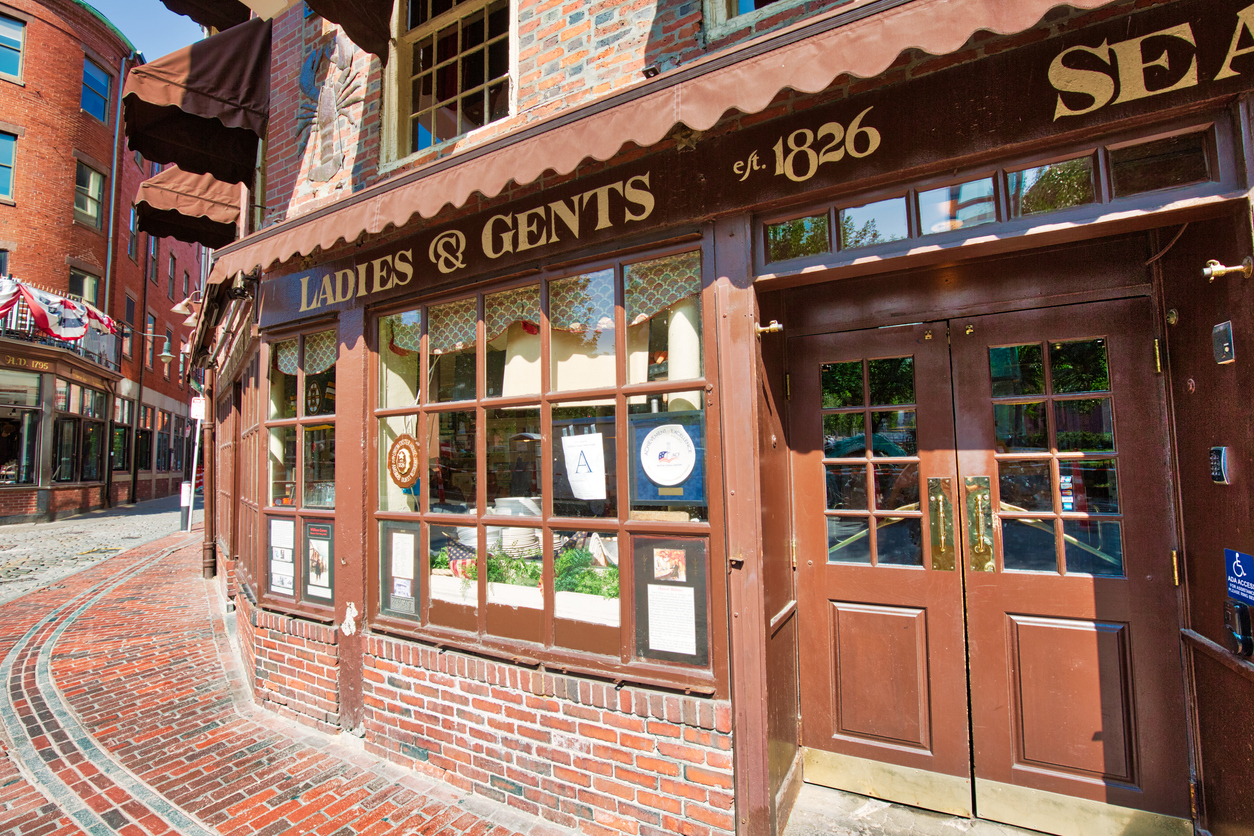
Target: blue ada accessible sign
(1240,576)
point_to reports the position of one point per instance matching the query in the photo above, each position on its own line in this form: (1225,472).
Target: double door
(984,545)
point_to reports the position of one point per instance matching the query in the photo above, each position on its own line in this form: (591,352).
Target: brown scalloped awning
(204,108)
(368,23)
(862,41)
(219,14)
(194,208)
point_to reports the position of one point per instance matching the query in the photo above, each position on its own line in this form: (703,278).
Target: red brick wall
(120,491)
(295,665)
(71,500)
(16,503)
(580,753)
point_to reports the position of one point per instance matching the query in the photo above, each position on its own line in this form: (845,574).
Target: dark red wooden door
(1006,475)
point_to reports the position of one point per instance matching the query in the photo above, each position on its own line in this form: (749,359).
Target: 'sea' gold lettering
(1096,85)
(1130,59)
(1245,23)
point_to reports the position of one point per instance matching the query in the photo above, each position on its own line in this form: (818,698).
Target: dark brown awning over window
(366,22)
(204,107)
(194,208)
(220,14)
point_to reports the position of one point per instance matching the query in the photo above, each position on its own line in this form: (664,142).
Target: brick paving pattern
(123,710)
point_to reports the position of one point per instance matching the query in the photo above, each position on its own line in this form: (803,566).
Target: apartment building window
(170,288)
(151,330)
(132,246)
(88,193)
(187,284)
(455,66)
(8,156)
(725,15)
(12,37)
(152,259)
(128,333)
(84,287)
(96,83)
(4,262)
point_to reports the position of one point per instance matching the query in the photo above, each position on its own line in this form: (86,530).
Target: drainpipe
(209,554)
(142,313)
(115,181)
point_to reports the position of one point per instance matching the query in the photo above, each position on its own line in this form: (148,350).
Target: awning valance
(862,41)
(220,14)
(366,22)
(204,107)
(194,208)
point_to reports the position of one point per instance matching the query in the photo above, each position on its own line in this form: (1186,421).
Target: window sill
(88,225)
(440,150)
(13,80)
(7,201)
(745,23)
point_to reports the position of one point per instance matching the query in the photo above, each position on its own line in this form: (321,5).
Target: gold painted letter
(1096,85)
(304,293)
(404,264)
(506,237)
(602,196)
(1245,23)
(530,223)
(641,197)
(1130,58)
(569,216)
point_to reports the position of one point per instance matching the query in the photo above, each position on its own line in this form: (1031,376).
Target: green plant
(576,571)
(439,560)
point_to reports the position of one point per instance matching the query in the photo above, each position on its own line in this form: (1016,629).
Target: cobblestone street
(36,554)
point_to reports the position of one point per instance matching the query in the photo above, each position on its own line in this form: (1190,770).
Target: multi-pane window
(153,269)
(456,69)
(96,83)
(187,284)
(177,443)
(542,468)
(78,433)
(163,441)
(300,431)
(19,427)
(173,269)
(88,194)
(143,438)
(150,338)
(120,448)
(84,287)
(8,157)
(12,36)
(128,333)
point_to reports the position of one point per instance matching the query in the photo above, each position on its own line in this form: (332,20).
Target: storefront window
(93,451)
(19,427)
(283,466)
(78,438)
(143,438)
(517,535)
(163,441)
(64,449)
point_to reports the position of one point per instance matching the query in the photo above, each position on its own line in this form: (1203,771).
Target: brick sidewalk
(123,711)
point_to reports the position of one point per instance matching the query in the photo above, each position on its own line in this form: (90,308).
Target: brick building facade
(67,227)
(634,412)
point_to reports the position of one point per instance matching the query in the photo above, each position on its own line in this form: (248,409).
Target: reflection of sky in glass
(957,207)
(873,223)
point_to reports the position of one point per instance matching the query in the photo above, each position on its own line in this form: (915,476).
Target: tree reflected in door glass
(1079,366)
(894,433)
(1017,370)
(842,384)
(892,381)
(1021,428)
(844,435)
(1084,425)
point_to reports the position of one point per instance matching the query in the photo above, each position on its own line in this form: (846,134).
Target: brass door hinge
(1175,567)
(787,386)
(793,543)
(1158,358)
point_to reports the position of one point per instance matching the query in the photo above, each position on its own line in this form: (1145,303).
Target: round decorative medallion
(313,399)
(403,460)
(668,455)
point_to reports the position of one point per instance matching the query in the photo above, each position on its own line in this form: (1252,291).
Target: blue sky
(154,29)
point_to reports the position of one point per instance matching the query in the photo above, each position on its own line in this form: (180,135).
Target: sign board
(198,409)
(1240,571)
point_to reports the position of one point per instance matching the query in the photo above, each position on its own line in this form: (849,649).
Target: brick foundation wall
(295,665)
(76,500)
(19,503)
(577,752)
(119,492)
(143,490)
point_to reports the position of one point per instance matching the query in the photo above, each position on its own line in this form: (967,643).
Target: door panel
(872,431)
(1006,474)
(1062,410)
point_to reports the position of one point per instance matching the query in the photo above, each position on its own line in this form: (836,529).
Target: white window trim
(718,24)
(395,134)
(79,217)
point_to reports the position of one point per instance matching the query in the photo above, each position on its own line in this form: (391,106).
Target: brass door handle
(980,522)
(941,523)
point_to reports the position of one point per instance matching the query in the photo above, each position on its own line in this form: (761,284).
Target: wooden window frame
(628,665)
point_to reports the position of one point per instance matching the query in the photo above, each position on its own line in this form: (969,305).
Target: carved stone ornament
(403,460)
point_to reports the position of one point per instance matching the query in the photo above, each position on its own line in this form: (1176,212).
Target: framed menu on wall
(319,561)
(671,595)
(400,569)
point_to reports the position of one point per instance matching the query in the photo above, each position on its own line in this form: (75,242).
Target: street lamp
(165,356)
